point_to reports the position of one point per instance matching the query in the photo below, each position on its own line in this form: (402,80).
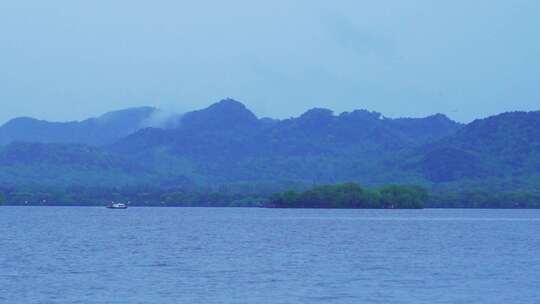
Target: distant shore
(336,196)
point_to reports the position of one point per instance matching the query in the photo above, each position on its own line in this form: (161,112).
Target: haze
(66,60)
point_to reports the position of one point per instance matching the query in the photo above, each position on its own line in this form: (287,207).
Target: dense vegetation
(352,196)
(248,195)
(256,195)
(226,144)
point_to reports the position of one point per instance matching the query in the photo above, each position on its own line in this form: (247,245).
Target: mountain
(94,131)
(227,114)
(216,130)
(231,127)
(503,145)
(226,143)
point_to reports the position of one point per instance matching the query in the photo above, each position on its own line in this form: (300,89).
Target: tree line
(352,196)
(348,195)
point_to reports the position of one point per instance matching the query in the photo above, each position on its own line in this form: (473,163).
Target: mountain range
(102,130)
(227,143)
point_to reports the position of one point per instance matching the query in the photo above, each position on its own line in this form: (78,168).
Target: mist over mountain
(232,126)
(94,131)
(227,143)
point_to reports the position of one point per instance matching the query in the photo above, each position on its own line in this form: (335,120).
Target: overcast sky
(68,60)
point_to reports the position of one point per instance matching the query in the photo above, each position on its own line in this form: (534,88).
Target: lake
(234,255)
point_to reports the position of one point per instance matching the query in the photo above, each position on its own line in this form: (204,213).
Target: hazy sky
(66,59)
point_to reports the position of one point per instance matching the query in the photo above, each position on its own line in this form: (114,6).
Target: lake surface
(230,255)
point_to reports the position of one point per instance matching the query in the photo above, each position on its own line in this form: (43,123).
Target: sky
(66,60)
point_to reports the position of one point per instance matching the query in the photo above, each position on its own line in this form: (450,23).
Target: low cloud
(162,119)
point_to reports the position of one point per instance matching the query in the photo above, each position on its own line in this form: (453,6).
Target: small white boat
(114,205)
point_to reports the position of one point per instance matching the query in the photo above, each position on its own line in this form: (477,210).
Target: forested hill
(226,143)
(229,130)
(504,146)
(105,129)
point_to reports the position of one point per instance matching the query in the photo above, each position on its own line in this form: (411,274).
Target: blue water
(190,255)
